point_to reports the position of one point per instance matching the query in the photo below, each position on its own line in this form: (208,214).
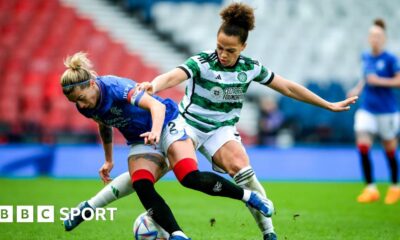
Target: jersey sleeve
(265,76)
(191,67)
(134,96)
(368,68)
(119,88)
(395,65)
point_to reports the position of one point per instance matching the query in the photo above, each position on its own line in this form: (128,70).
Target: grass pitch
(304,211)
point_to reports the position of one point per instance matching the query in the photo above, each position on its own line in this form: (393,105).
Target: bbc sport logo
(45,214)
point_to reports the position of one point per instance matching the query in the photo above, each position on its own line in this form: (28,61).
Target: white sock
(371,186)
(247,179)
(246,195)
(179,233)
(117,188)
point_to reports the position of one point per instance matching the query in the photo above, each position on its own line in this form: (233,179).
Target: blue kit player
(378,113)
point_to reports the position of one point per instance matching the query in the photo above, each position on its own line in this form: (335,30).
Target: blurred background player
(116,102)
(378,113)
(270,121)
(218,81)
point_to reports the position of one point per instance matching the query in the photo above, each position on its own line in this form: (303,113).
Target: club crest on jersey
(217,93)
(242,77)
(380,65)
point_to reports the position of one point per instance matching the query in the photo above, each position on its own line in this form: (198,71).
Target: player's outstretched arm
(164,81)
(384,82)
(299,92)
(355,91)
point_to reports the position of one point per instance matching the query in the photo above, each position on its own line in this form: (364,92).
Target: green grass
(325,211)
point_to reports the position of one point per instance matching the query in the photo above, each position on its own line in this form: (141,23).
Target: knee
(232,161)
(236,165)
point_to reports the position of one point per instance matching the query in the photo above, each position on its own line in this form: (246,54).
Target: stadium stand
(314,43)
(35,38)
(317,44)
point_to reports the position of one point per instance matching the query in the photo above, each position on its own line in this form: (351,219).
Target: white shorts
(209,143)
(172,132)
(386,126)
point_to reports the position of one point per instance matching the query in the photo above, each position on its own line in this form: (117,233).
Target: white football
(145,228)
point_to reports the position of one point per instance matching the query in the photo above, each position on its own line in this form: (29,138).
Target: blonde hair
(79,72)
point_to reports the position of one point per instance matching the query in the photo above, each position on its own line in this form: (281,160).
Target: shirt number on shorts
(172,129)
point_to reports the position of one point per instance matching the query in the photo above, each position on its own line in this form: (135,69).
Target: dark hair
(380,23)
(237,20)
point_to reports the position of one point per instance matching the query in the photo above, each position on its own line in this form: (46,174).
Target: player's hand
(343,105)
(146,86)
(151,138)
(105,170)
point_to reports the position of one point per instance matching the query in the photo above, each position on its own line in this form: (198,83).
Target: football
(145,228)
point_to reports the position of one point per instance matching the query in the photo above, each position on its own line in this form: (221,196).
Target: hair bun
(77,61)
(380,23)
(240,15)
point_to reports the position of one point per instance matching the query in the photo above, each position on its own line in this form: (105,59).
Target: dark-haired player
(217,83)
(378,113)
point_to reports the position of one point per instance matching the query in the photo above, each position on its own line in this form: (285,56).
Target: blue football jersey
(116,110)
(379,99)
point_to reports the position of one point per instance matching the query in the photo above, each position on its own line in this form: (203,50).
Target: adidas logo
(217,187)
(150,212)
(218,77)
(115,191)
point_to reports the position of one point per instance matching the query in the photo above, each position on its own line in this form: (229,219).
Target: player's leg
(144,169)
(365,125)
(182,157)
(119,187)
(228,154)
(393,193)
(233,159)
(184,164)
(388,129)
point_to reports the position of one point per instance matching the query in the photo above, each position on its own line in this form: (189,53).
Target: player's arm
(374,80)
(355,91)
(165,81)
(106,135)
(296,91)
(157,110)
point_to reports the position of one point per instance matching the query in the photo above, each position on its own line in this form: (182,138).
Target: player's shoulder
(389,55)
(365,54)
(249,61)
(206,56)
(114,81)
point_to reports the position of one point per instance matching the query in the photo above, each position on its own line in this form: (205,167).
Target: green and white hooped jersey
(214,94)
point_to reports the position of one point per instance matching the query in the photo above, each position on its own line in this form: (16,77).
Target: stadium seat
(36,63)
